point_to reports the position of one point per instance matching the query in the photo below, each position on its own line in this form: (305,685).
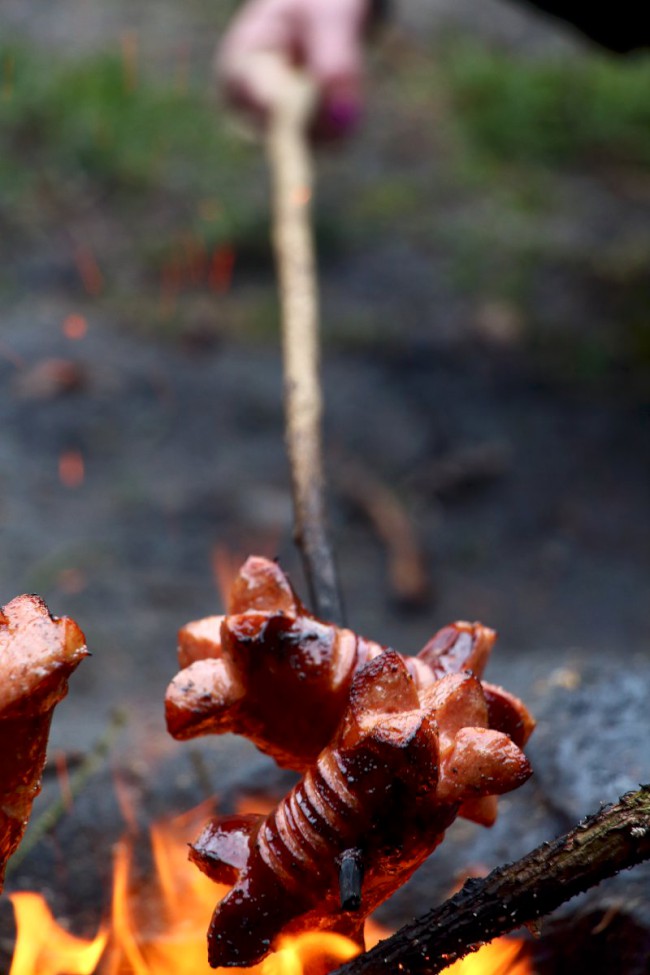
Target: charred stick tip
(350,880)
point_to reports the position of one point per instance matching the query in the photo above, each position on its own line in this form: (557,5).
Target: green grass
(84,123)
(507,137)
(73,131)
(469,162)
(552,111)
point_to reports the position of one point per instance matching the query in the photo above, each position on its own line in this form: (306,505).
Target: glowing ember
(159,928)
(71,468)
(74,327)
(191,266)
(221,269)
(88,269)
(301,196)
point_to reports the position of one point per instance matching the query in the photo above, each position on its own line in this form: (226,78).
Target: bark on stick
(599,847)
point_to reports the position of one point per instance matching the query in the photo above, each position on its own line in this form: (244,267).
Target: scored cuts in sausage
(401,765)
(392,748)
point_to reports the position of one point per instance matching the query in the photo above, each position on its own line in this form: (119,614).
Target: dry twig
(599,847)
(408,576)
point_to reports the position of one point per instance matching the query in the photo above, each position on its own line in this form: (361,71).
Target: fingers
(323,36)
(333,55)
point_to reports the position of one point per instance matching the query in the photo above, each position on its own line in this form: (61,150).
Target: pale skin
(325,37)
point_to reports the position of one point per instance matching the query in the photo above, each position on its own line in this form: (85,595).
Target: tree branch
(599,847)
(294,249)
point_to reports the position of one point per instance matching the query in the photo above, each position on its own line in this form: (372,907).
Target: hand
(322,36)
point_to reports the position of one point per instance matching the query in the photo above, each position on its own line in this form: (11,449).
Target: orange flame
(225,566)
(159,928)
(46,948)
(503,956)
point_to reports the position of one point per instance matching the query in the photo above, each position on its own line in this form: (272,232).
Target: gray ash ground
(183,451)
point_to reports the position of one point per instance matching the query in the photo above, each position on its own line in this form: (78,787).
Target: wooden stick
(599,847)
(408,577)
(350,880)
(289,158)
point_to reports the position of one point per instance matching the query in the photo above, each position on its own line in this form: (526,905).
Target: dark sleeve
(623,27)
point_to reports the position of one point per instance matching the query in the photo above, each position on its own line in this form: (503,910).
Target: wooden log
(519,893)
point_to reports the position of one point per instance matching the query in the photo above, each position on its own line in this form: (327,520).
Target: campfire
(157,925)
(391,748)
(400,742)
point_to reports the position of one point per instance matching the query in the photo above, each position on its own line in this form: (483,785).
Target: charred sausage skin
(400,767)
(272,672)
(38,652)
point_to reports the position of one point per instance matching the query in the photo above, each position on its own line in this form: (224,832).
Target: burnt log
(599,847)
(610,940)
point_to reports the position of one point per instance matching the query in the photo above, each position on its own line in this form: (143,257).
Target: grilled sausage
(400,767)
(272,672)
(38,652)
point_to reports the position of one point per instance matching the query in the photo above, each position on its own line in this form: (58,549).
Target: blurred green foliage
(90,127)
(468,160)
(90,123)
(556,110)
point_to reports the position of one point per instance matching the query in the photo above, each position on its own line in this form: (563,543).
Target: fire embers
(270,671)
(38,653)
(401,765)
